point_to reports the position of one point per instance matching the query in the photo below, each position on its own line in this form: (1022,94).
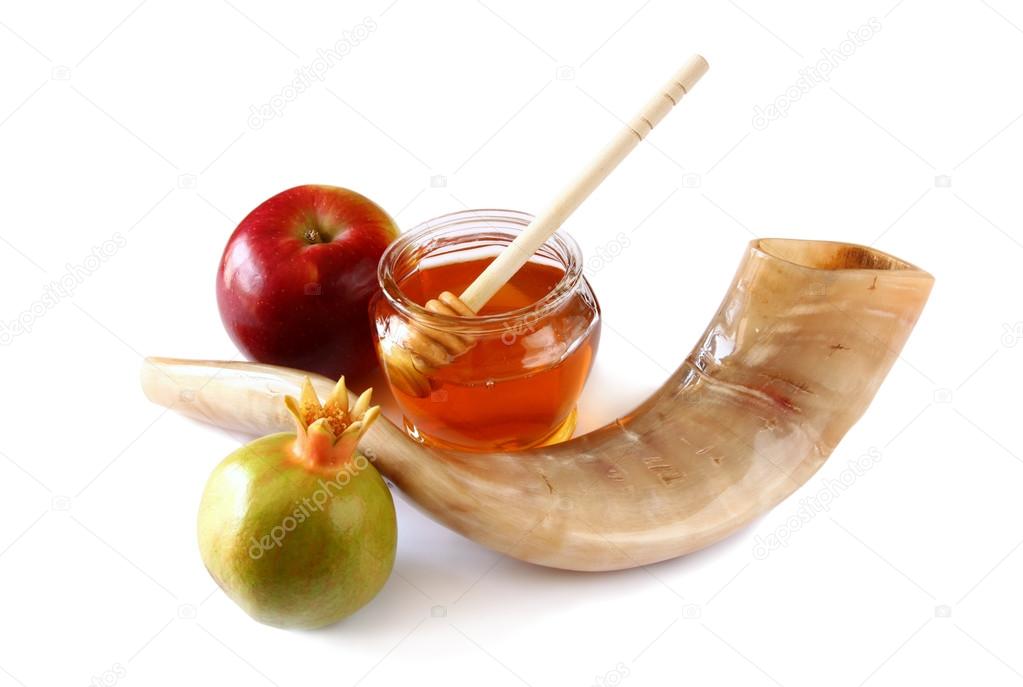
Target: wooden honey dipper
(426,349)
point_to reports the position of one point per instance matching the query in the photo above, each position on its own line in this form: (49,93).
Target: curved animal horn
(797,350)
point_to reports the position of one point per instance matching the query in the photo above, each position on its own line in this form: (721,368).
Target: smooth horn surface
(793,357)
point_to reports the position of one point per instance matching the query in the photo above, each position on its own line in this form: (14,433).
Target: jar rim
(564,248)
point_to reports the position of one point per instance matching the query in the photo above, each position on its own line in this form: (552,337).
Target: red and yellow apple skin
(297,276)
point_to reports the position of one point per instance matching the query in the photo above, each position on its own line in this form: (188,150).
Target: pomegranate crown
(327,434)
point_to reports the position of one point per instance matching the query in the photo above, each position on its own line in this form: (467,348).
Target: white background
(134,119)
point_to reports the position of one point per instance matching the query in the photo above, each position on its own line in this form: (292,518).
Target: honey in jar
(532,345)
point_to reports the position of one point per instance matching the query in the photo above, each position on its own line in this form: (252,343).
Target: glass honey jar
(530,347)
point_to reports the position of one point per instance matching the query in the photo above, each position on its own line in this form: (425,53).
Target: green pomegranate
(299,529)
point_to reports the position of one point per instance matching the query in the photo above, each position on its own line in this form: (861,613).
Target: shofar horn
(797,350)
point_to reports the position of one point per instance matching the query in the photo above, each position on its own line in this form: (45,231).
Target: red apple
(296,278)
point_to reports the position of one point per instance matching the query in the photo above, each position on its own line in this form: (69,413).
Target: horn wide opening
(830,255)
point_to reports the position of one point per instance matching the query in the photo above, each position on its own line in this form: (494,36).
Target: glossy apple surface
(296,278)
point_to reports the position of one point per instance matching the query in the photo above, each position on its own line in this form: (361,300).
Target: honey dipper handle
(547,222)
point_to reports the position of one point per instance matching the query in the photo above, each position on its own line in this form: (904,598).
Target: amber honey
(532,346)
